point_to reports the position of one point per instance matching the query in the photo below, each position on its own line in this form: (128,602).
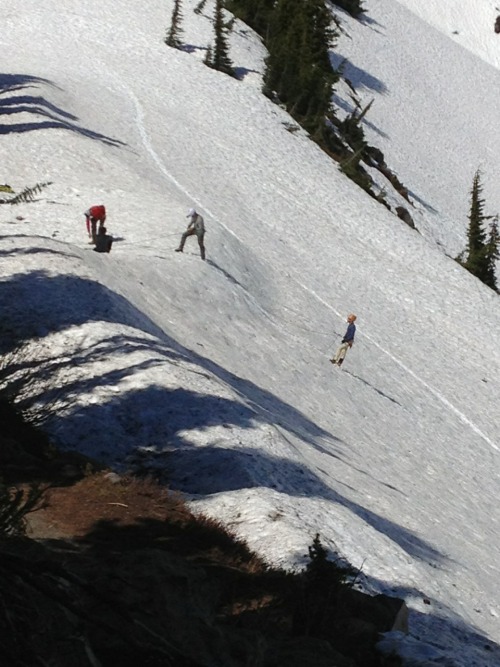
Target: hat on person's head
(351,317)
(191,212)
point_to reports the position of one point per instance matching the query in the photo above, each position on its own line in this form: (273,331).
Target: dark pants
(200,235)
(103,243)
(92,227)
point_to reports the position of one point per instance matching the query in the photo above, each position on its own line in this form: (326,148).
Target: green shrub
(26,195)
(15,504)
(352,7)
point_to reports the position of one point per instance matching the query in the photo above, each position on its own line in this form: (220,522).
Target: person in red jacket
(94,215)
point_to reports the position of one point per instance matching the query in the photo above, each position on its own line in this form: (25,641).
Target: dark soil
(116,570)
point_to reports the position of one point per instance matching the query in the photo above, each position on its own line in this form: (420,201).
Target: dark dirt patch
(117,570)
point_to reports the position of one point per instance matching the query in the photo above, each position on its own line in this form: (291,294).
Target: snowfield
(216,374)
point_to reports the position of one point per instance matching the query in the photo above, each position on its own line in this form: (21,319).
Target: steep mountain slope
(470,24)
(223,366)
(432,104)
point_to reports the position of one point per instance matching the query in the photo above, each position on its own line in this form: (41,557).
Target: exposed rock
(405,216)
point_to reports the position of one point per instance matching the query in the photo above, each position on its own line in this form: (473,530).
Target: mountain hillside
(432,103)
(216,374)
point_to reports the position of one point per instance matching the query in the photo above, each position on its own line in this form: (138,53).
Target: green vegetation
(483,246)
(15,504)
(28,194)
(299,35)
(298,71)
(175,31)
(217,56)
(352,7)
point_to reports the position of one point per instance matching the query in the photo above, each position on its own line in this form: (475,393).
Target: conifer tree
(352,7)
(219,54)
(476,236)
(482,251)
(255,13)
(200,7)
(298,69)
(492,254)
(299,74)
(208,59)
(351,129)
(174,34)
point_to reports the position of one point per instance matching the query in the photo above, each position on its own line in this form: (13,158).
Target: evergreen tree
(492,254)
(351,129)
(219,58)
(174,34)
(298,68)
(299,75)
(208,59)
(255,13)
(482,251)
(476,236)
(200,7)
(352,7)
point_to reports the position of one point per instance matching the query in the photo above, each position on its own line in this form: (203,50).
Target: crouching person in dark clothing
(103,241)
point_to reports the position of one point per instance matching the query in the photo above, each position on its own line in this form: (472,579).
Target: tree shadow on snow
(204,471)
(368,21)
(45,303)
(192,48)
(35,251)
(241,72)
(357,77)
(154,421)
(46,114)
(417,198)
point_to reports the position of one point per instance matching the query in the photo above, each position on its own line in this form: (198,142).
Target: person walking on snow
(196,226)
(347,341)
(94,215)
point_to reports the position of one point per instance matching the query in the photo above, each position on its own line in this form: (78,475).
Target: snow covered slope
(470,24)
(434,104)
(219,370)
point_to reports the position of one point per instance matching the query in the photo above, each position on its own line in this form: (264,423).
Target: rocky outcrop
(405,216)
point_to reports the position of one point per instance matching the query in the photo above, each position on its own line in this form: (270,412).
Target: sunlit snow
(218,372)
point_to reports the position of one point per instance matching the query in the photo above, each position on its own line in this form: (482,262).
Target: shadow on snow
(37,303)
(45,114)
